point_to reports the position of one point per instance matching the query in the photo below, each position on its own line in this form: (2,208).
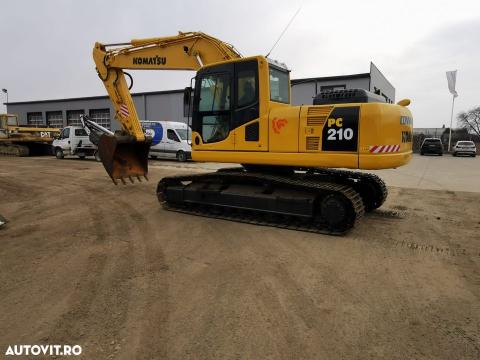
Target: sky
(46,45)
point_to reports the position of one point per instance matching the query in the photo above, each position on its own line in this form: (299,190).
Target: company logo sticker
(155,131)
(278,124)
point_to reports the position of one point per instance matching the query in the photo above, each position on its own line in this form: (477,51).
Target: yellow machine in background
(242,114)
(19,140)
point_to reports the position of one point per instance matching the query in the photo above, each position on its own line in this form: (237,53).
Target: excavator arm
(125,155)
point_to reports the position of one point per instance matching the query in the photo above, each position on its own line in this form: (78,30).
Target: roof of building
(330,78)
(428,130)
(95,97)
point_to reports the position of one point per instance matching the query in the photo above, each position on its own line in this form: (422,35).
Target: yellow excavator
(294,158)
(16,140)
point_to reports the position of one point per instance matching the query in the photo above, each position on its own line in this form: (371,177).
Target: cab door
(172,143)
(212,110)
(246,114)
(64,139)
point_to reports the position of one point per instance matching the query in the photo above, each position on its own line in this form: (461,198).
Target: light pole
(6,92)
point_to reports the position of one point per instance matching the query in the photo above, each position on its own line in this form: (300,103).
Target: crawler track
(305,202)
(7,149)
(371,188)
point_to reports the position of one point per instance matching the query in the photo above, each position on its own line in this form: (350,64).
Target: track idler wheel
(373,192)
(336,212)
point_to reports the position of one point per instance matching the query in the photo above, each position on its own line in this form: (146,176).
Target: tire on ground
(59,153)
(181,156)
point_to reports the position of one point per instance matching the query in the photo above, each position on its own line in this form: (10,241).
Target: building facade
(157,105)
(304,90)
(169,106)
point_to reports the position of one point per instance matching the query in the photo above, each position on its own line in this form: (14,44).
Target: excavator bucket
(123,157)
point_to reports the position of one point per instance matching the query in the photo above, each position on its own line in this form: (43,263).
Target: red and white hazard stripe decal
(376,149)
(124,110)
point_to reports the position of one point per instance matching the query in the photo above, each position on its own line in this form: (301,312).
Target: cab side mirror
(187,94)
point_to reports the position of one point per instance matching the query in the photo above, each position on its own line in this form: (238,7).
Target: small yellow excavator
(16,140)
(241,113)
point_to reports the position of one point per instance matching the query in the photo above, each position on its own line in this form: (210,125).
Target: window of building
(332,87)
(73,117)
(101,117)
(55,119)
(34,119)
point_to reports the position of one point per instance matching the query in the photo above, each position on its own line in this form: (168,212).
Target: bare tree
(470,120)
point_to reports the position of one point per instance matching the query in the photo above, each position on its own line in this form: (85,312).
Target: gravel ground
(85,262)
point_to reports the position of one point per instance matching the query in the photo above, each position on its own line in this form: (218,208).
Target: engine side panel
(385,136)
(364,136)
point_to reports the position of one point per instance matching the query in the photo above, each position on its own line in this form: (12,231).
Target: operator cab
(8,120)
(228,96)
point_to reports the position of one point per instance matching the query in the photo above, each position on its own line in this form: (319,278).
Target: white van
(170,139)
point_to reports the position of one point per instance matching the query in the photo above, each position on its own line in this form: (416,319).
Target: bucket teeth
(123,181)
(131,180)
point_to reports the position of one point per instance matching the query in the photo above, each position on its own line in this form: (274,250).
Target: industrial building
(169,106)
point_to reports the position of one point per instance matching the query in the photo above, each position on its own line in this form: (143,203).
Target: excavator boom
(125,155)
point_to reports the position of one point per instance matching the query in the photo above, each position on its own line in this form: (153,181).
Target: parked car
(170,139)
(465,148)
(431,146)
(74,141)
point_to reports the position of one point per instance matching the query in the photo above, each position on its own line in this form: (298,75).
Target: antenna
(284,30)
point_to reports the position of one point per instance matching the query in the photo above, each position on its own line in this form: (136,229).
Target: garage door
(55,119)
(73,117)
(101,117)
(34,119)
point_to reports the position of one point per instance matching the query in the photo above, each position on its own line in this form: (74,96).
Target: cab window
(183,133)
(279,85)
(246,93)
(80,132)
(215,93)
(12,121)
(214,106)
(65,133)
(172,136)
